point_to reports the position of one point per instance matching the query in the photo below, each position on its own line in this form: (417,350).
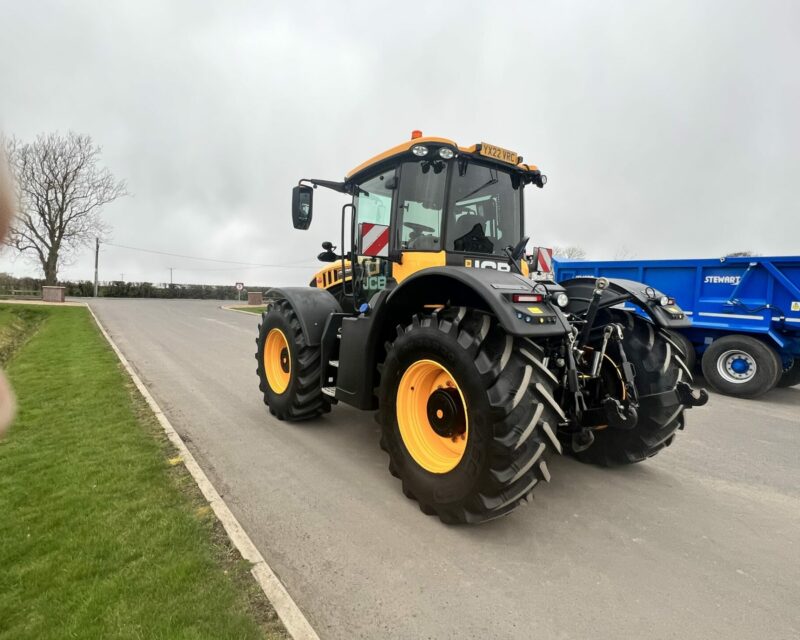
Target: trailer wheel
(739,365)
(467,414)
(288,367)
(791,375)
(659,368)
(685,345)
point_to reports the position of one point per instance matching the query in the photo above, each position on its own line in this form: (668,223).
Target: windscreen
(484,214)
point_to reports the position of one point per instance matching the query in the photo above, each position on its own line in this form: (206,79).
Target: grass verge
(103,533)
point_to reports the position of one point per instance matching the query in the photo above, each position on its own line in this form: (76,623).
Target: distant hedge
(120,289)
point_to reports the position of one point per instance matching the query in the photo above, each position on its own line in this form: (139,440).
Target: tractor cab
(424,203)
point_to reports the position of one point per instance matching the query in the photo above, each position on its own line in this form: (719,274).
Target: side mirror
(328,255)
(302,206)
(518,251)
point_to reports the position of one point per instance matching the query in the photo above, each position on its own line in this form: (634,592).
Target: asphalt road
(703,541)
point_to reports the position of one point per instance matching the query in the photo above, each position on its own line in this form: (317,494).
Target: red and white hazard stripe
(544,259)
(374,239)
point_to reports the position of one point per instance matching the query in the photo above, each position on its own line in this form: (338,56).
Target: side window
(420,206)
(374,201)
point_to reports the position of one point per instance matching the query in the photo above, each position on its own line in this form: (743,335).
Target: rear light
(526,297)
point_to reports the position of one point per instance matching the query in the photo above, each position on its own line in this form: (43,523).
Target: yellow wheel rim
(277,361)
(432,416)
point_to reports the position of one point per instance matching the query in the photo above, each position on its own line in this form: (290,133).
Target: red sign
(544,259)
(374,239)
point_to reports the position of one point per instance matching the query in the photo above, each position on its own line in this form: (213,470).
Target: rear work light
(527,297)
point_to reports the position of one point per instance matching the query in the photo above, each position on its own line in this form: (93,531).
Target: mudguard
(626,294)
(312,306)
(488,289)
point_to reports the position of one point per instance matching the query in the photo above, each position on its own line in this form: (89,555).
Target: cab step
(334,363)
(329,391)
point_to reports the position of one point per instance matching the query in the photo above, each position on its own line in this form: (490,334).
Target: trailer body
(752,296)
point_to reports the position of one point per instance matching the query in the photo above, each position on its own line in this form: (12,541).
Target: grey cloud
(668,128)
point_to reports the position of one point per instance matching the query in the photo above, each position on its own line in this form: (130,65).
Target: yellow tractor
(479,373)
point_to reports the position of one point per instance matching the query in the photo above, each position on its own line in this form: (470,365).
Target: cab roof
(435,143)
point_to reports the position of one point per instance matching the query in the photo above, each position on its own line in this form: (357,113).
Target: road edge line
(254,315)
(290,614)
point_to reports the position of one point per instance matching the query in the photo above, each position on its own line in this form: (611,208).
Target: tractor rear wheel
(467,414)
(288,367)
(658,369)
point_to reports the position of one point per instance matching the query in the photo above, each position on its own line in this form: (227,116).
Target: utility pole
(170,276)
(96,258)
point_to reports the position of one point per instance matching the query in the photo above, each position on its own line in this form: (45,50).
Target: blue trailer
(745,313)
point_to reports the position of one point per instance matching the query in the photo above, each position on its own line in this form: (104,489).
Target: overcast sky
(666,129)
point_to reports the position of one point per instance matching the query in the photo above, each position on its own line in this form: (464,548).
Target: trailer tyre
(791,376)
(739,365)
(659,367)
(467,415)
(288,367)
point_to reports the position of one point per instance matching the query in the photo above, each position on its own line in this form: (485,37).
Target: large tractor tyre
(743,366)
(288,367)
(686,348)
(659,368)
(468,415)
(791,375)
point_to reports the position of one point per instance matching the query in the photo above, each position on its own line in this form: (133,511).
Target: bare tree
(571,252)
(624,253)
(61,191)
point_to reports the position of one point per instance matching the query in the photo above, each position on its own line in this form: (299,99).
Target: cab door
(374,206)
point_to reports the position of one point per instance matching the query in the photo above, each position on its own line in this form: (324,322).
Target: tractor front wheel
(288,367)
(468,416)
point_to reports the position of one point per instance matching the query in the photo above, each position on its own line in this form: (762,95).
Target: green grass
(103,534)
(254,309)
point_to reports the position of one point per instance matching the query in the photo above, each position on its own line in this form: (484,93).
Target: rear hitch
(591,312)
(689,396)
(620,416)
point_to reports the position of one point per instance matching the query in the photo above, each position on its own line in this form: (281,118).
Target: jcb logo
(376,282)
(487,264)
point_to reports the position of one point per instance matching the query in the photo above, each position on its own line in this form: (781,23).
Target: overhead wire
(258,265)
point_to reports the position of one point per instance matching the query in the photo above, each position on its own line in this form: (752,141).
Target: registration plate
(498,153)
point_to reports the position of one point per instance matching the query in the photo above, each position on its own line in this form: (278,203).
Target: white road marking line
(249,313)
(290,614)
(230,326)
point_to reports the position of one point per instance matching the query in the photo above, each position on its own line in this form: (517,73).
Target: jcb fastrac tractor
(478,372)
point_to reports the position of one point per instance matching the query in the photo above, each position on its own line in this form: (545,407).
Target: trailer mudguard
(487,289)
(312,306)
(625,293)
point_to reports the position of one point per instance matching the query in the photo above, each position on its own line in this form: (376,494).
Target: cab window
(420,205)
(374,201)
(485,207)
